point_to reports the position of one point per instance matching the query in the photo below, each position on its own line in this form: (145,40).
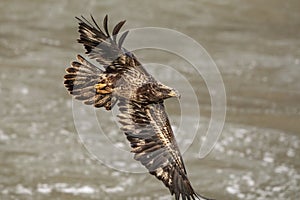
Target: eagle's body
(139,97)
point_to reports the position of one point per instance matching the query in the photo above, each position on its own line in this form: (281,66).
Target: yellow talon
(100,86)
(103,91)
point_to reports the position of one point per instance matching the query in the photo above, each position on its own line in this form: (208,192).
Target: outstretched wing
(105,48)
(148,129)
(98,44)
(82,79)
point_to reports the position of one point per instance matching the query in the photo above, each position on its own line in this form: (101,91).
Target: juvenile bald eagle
(139,97)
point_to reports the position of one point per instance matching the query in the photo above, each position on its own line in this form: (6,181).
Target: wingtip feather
(105,25)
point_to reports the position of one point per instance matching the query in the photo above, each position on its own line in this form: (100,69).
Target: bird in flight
(122,81)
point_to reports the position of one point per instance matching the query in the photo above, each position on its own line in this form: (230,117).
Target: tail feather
(81,79)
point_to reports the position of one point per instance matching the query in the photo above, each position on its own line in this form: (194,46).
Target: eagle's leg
(103,88)
(100,86)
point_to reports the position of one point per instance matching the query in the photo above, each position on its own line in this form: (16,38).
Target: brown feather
(156,148)
(80,81)
(117,29)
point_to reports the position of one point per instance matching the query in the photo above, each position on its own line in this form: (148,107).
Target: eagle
(123,81)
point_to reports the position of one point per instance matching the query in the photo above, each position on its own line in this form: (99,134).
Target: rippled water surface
(256,46)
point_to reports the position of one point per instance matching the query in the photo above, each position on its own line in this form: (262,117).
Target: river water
(256,46)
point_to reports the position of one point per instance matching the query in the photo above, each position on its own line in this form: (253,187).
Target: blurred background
(256,47)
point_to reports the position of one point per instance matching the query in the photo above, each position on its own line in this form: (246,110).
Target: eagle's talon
(100,86)
(104,91)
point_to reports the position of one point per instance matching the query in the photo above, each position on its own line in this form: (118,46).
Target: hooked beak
(174,93)
(167,91)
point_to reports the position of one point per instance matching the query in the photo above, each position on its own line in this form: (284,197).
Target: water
(256,47)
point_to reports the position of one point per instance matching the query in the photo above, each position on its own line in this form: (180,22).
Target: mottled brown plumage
(139,97)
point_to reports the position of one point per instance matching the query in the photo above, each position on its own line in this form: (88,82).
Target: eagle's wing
(105,48)
(99,44)
(148,129)
(84,80)
(81,81)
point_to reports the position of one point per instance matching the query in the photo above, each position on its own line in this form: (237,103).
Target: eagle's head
(163,92)
(155,92)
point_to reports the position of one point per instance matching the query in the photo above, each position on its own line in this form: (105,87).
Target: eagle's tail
(85,82)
